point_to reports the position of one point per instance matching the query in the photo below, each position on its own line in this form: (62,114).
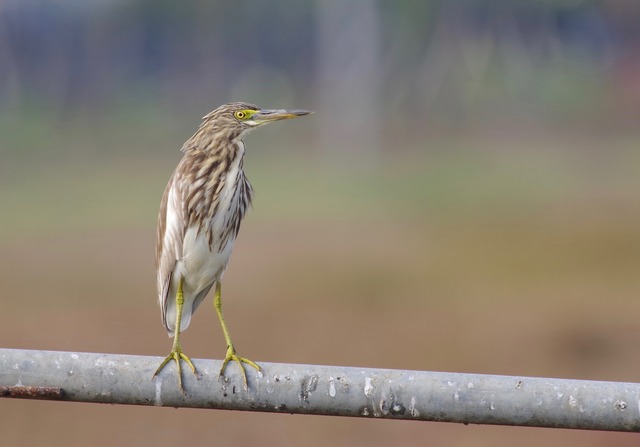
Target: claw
(233,356)
(176,355)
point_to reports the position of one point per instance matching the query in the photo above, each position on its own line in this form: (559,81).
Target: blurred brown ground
(548,288)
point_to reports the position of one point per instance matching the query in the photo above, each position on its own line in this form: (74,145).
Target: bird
(200,214)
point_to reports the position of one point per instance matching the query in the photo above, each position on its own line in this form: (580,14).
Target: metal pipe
(324,390)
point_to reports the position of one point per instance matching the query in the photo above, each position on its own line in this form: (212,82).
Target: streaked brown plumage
(200,216)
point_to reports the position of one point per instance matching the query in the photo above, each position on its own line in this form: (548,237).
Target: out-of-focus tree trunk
(348,75)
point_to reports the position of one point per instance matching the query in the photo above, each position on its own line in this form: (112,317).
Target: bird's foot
(233,356)
(176,354)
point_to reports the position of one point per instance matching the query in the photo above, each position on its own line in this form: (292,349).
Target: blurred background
(466,198)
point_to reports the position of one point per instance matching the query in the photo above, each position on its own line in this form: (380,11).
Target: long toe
(233,357)
(176,355)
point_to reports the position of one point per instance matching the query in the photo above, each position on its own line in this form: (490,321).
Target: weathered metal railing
(324,390)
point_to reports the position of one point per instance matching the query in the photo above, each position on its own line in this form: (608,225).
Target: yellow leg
(176,351)
(231,350)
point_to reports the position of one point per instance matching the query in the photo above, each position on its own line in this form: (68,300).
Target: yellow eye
(240,115)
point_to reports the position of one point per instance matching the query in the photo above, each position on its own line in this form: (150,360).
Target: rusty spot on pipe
(32,392)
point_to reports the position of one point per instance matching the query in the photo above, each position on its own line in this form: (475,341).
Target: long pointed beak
(266,115)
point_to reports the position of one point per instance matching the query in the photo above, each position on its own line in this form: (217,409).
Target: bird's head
(237,118)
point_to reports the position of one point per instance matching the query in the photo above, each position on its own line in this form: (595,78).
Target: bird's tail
(188,308)
(170,317)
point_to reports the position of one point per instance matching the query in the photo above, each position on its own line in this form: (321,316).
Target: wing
(170,236)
